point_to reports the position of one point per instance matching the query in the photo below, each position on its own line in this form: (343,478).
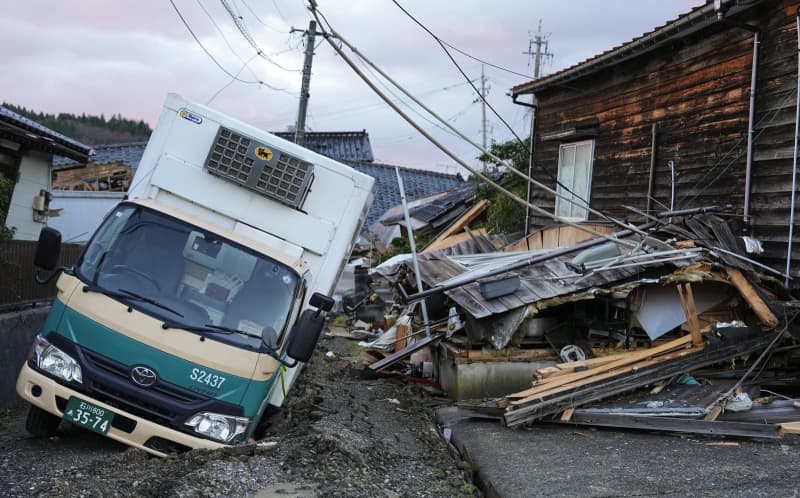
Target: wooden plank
(567,415)
(407,351)
(567,368)
(713,353)
(677,424)
(457,226)
(401,329)
(790,427)
(749,294)
(553,390)
(687,302)
(682,342)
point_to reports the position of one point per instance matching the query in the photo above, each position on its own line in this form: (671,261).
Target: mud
(341,433)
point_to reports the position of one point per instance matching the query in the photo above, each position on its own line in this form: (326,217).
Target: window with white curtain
(574,179)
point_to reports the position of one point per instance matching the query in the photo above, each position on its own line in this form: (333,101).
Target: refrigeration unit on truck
(198,298)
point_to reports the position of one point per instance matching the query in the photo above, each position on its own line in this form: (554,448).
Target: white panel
(252,209)
(83,212)
(34,175)
(268,240)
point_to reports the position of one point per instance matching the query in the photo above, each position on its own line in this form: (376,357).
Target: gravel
(341,433)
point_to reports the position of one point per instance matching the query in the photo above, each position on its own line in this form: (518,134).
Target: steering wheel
(139,274)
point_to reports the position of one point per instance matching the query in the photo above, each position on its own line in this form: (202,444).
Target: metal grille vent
(288,179)
(259,167)
(229,156)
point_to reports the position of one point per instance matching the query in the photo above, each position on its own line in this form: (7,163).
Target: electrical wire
(197,40)
(452,155)
(443,45)
(571,200)
(452,59)
(237,20)
(789,95)
(224,38)
(259,19)
(231,81)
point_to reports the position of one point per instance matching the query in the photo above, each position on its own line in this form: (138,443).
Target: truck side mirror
(321,301)
(48,249)
(305,334)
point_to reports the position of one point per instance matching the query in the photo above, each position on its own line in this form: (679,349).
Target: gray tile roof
(77,149)
(418,183)
(128,153)
(339,145)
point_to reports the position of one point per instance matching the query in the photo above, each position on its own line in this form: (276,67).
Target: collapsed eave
(686,24)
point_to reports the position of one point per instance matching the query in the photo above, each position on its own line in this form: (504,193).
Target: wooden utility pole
(300,126)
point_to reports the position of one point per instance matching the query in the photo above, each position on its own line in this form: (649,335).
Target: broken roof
(17,127)
(680,27)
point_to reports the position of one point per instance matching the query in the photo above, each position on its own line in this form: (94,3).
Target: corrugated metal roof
(685,24)
(17,120)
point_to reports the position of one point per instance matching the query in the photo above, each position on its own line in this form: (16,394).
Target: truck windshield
(187,276)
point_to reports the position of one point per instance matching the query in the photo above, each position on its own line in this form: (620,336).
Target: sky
(124,56)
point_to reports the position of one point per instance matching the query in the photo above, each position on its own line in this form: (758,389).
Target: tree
(504,214)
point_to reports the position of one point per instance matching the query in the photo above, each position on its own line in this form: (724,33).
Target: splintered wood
(569,385)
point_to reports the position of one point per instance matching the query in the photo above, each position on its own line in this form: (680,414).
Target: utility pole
(482,99)
(541,53)
(300,126)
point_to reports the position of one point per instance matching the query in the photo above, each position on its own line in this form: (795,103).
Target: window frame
(561,191)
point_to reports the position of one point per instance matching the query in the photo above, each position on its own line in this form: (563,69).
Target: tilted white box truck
(198,298)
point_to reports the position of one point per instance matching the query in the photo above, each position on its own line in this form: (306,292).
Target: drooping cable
(452,155)
(582,204)
(237,20)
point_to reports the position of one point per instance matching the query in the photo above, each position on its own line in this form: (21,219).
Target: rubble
(561,327)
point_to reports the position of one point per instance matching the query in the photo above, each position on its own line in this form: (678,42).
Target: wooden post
(750,295)
(687,302)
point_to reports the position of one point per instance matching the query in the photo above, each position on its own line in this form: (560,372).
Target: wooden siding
(697,92)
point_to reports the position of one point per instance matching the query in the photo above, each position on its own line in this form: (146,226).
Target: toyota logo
(143,376)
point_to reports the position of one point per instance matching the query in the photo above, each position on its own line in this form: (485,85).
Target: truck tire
(41,423)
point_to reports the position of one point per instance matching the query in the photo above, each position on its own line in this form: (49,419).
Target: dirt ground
(342,433)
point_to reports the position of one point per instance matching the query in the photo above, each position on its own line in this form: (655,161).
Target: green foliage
(6,189)
(400,245)
(504,214)
(88,128)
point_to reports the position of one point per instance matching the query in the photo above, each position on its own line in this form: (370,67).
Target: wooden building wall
(696,91)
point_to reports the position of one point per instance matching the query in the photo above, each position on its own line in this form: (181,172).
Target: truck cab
(186,316)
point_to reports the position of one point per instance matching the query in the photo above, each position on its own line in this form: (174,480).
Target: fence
(17,284)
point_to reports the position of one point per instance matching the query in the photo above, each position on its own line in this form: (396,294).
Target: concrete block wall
(17,330)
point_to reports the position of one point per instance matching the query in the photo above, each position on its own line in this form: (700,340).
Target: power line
(450,56)
(231,81)
(237,20)
(196,39)
(225,39)
(259,19)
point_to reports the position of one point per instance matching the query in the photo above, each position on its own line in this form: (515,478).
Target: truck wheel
(41,423)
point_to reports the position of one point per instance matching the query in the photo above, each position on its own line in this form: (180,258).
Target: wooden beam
(750,295)
(567,414)
(682,342)
(458,225)
(687,302)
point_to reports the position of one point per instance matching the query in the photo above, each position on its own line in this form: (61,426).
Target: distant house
(118,163)
(670,111)
(26,155)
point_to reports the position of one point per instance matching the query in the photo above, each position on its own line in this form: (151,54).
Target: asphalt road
(551,460)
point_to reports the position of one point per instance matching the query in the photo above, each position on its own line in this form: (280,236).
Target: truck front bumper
(145,435)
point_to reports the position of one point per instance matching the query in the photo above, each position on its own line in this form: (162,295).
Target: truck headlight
(55,362)
(225,428)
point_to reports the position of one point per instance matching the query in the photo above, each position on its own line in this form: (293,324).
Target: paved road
(550,460)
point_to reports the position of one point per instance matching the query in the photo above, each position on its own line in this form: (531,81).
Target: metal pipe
(794,157)
(413,248)
(750,121)
(532,149)
(672,188)
(653,150)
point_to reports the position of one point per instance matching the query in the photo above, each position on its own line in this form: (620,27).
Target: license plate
(87,415)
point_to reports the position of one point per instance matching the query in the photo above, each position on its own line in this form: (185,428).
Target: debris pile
(672,325)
